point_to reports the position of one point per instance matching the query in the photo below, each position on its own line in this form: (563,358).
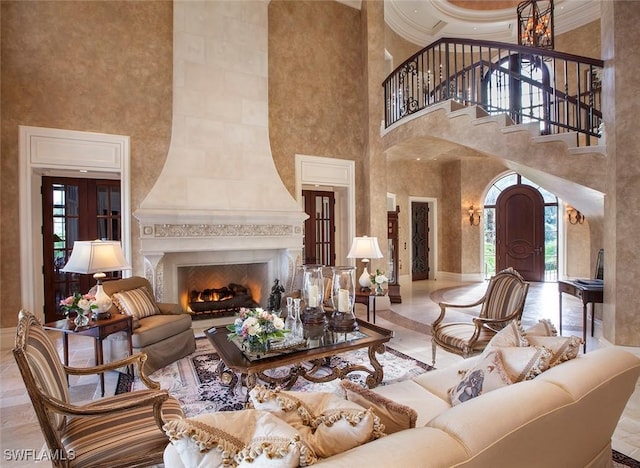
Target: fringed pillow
(327,423)
(393,415)
(487,374)
(136,302)
(247,438)
(510,336)
(563,348)
(544,327)
(525,363)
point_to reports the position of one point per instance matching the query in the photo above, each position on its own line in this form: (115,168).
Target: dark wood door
(520,231)
(319,228)
(74,209)
(420,241)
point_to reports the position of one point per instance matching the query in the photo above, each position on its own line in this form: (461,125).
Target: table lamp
(365,248)
(97,257)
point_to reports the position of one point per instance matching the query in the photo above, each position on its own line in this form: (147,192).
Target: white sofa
(564,417)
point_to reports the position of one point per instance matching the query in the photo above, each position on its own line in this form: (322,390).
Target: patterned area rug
(194,382)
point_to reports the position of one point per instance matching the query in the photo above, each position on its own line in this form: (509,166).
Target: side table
(367,298)
(97,329)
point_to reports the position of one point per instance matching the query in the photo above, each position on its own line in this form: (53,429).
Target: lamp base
(103,301)
(364,280)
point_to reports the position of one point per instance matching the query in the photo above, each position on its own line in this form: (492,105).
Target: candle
(343,300)
(313,295)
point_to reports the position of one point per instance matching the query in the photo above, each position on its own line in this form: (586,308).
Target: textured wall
(315,97)
(91,66)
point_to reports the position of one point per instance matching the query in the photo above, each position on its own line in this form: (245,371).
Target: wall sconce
(574,216)
(474,216)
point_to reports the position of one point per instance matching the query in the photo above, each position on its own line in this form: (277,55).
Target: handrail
(560,91)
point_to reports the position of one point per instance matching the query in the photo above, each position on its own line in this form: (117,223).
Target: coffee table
(232,359)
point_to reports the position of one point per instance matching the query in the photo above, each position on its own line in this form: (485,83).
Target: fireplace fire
(220,301)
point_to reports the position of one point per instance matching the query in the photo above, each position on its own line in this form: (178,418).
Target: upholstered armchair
(120,431)
(502,302)
(160,330)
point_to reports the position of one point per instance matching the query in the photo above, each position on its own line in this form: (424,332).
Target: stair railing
(560,92)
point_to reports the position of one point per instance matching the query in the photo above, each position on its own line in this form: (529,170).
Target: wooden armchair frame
(61,421)
(502,302)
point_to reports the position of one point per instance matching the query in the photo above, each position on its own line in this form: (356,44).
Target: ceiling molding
(425,21)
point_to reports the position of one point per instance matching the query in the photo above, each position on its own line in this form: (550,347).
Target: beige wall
(91,66)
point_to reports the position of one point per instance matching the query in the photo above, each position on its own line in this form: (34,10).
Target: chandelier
(535,23)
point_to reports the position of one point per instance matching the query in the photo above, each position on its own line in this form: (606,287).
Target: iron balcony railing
(562,92)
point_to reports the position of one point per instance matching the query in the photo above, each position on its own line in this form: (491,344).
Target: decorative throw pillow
(563,348)
(394,416)
(487,374)
(327,423)
(511,335)
(525,363)
(544,327)
(136,302)
(238,438)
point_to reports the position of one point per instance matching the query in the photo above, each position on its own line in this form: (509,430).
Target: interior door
(520,231)
(319,228)
(420,241)
(74,209)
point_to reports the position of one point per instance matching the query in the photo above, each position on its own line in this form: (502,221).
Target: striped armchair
(502,302)
(123,430)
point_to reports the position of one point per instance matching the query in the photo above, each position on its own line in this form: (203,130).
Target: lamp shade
(365,247)
(96,257)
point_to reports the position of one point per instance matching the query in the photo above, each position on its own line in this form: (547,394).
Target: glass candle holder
(343,297)
(312,286)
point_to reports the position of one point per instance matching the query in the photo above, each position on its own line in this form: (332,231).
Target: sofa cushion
(238,438)
(137,303)
(563,348)
(159,327)
(327,423)
(487,374)
(394,415)
(426,404)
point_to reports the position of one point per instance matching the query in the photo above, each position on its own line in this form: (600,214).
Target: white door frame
(63,153)
(332,172)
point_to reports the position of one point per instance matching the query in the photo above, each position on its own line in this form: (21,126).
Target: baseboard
(460,277)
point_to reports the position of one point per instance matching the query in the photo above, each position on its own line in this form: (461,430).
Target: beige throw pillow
(544,327)
(247,438)
(137,303)
(563,348)
(525,363)
(394,416)
(327,423)
(510,336)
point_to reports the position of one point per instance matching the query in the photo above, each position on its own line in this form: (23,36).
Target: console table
(366,298)
(99,330)
(589,292)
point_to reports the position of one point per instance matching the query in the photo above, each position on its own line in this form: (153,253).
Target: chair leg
(433,352)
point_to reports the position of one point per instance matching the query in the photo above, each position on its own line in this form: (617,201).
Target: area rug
(193,380)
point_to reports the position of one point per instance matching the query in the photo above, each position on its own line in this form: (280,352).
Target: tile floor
(410,320)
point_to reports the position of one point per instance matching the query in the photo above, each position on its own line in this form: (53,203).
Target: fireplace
(219,199)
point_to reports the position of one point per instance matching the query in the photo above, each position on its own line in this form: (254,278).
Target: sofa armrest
(167,308)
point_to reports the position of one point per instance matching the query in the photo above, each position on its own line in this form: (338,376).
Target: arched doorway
(521,228)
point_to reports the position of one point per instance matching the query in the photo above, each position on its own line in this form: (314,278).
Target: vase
(379,290)
(255,346)
(81,320)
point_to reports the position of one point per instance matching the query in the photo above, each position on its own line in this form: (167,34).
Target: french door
(74,209)
(319,228)
(420,241)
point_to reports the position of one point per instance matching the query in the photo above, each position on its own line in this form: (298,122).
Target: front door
(74,209)
(520,231)
(420,241)
(319,228)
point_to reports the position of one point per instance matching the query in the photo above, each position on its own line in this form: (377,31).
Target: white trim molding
(71,153)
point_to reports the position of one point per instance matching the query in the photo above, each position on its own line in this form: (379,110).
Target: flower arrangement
(256,327)
(79,303)
(378,279)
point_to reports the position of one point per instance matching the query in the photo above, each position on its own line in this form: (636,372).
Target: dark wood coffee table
(234,360)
